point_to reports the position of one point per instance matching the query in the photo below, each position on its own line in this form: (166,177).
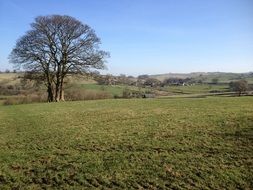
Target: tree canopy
(239,86)
(55,47)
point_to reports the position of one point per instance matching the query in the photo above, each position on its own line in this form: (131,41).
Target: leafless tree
(55,47)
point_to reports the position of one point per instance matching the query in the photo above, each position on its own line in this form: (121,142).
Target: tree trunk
(61,91)
(50,96)
(62,95)
(57,93)
(58,83)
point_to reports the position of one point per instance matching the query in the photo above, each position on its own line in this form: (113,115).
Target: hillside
(13,90)
(9,78)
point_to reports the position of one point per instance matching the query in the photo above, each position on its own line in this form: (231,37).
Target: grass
(197,89)
(9,78)
(128,144)
(112,89)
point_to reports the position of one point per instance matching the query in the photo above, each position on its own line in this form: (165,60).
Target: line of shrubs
(127,93)
(9,90)
(24,99)
(83,94)
(70,95)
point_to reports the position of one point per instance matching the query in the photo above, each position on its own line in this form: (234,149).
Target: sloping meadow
(128,144)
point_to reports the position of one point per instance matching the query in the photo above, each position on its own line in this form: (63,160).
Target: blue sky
(149,36)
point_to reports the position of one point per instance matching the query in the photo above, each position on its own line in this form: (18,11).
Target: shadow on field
(246,134)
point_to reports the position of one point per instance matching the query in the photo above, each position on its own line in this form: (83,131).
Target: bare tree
(55,47)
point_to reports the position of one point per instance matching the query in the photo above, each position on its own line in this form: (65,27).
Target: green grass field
(128,144)
(111,89)
(176,90)
(196,89)
(114,90)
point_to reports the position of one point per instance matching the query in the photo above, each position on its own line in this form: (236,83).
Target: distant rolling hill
(208,76)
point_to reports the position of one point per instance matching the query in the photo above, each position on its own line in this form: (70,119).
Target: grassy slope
(112,89)
(187,143)
(9,78)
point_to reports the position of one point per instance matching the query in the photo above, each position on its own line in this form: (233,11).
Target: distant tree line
(8,71)
(143,81)
(240,86)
